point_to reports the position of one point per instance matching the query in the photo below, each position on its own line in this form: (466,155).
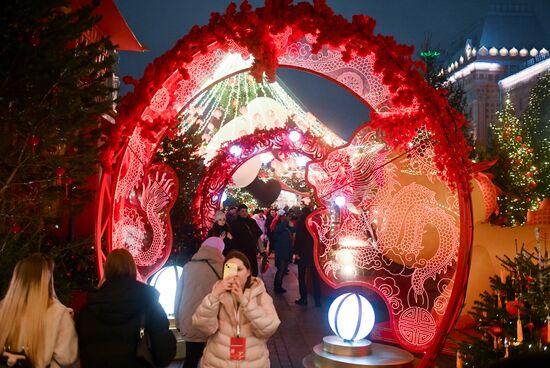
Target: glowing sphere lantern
(351,317)
(165,281)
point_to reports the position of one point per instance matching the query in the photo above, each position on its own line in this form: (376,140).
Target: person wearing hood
(108,325)
(196,281)
(239,317)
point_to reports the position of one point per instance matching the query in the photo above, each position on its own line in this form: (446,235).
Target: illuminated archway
(311,38)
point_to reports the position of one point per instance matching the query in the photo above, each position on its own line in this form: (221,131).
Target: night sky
(158,24)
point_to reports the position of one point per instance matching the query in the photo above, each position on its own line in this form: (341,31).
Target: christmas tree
(55,87)
(513,317)
(537,122)
(516,174)
(523,148)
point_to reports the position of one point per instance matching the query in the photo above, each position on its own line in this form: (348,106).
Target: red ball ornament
(34,40)
(59,172)
(71,150)
(519,138)
(533,184)
(16,228)
(34,141)
(530,326)
(495,330)
(513,307)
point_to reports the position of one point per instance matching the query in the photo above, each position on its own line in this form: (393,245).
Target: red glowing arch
(302,36)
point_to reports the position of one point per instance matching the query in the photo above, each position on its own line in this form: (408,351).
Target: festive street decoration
(387,221)
(412,116)
(351,317)
(144,227)
(165,281)
(222,168)
(513,317)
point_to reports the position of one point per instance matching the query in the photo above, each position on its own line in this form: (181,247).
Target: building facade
(502,57)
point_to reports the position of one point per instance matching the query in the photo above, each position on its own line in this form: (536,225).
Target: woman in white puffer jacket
(232,311)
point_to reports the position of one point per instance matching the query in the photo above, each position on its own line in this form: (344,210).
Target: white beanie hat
(214,242)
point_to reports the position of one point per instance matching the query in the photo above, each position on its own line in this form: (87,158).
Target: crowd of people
(223,310)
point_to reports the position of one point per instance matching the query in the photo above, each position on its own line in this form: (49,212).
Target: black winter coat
(108,326)
(245,233)
(303,242)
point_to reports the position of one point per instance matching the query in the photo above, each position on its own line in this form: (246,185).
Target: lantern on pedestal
(351,318)
(165,281)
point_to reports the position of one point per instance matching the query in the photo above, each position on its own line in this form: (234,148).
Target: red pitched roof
(113,24)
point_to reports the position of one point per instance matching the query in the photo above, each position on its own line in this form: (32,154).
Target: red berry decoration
(529,279)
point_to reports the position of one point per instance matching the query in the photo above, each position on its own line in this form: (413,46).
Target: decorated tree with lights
(516,173)
(536,120)
(523,148)
(55,87)
(514,316)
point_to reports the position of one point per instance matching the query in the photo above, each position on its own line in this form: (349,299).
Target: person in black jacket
(246,233)
(108,325)
(303,253)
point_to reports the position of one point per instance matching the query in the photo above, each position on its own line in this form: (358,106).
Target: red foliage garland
(415,103)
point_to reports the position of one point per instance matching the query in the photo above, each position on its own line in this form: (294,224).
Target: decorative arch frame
(224,165)
(280,34)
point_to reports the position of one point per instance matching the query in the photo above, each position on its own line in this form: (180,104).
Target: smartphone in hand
(229,270)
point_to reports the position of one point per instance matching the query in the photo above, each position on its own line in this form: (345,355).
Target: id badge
(237,348)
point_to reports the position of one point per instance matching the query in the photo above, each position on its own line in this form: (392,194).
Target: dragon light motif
(398,232)
(144,226)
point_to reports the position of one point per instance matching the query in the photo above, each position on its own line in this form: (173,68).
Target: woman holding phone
(239,317)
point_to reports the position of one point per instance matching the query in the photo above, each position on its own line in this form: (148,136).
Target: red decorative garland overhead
(416,105)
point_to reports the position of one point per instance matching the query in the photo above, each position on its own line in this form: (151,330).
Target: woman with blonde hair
(109,324)
(33,323)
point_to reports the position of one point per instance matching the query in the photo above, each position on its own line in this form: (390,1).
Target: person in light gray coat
(197,279)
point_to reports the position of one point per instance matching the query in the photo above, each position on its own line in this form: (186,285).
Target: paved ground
(302,327)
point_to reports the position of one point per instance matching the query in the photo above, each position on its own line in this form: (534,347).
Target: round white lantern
(165,281)
(351,317)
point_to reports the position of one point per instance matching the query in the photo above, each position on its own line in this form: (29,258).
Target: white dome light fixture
(294,136)
(165,281)
(340,200)
(266,158)
(351,317)
(236,151)
(301,161)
